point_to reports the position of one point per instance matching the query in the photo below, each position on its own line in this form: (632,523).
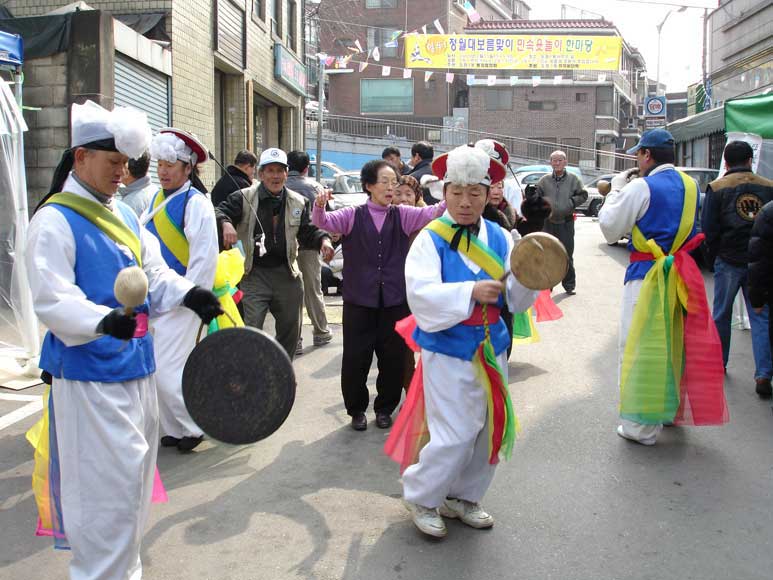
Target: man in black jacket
(761,263)
(238,176)
(729,209)
(421,160)
(272,221)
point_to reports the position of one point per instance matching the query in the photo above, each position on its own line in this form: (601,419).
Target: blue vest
(462,341)
(97,263)
(176,211)
(661,220)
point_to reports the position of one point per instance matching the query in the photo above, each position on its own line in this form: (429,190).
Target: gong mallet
(131,288)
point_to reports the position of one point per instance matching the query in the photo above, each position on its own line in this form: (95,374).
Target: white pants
(174,336)
(107,438)
(455,461)
(638,431)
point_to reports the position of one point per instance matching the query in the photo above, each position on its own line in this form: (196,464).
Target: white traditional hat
(123,129)
(172,145)
(467,165)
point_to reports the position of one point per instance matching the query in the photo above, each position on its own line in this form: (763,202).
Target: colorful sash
(406,439)
(109,223)
(672,367)
(170,232)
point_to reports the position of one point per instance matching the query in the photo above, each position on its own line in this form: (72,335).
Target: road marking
(34,405)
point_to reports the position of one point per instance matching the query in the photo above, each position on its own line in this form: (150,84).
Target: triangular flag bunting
(376,54)
(449,77)
(491,80)
(363,66)
(557,79)
(472,14)
(396,34)
(470,79)
(424,29)
(438,26)
(386,71)
(535,80)
(427,76)
(358,45)
(407,73)
(513,80)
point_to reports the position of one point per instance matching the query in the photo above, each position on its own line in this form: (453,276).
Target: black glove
(118,324)
(204,303)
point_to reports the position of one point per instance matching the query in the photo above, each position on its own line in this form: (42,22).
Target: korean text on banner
(513,52)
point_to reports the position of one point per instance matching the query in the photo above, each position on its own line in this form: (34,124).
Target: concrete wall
(739,29)
(45,86)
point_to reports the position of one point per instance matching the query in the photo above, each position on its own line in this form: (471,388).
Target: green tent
(750,115)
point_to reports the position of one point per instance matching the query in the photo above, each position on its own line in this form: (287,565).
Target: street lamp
(660,28)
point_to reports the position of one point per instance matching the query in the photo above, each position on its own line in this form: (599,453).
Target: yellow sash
(107,222)
(170,233)
(478,252)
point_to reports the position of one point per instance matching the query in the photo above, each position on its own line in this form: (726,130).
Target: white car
(312,110)
(347,190)
(329,172)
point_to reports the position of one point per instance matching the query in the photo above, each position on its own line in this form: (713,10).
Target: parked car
(329,172)
(312,110)
(595,200)
(519,183)
(347,190)
(545,169)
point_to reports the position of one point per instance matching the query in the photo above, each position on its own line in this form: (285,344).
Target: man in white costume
(103,409)
(183,220)
(451,293)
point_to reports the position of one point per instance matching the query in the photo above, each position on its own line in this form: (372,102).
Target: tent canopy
(11,49)
(750,115)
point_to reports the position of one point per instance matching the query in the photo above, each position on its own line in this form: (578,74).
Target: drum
(238,385)
(539,261)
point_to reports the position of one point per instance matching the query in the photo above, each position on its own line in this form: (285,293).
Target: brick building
(372,23)
(236,75)
(590,114)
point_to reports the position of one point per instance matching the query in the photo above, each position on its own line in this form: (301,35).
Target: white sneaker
(428,520)
(470,513)
(624,435)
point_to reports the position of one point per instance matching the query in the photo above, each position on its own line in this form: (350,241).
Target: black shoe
(764,388)
(187,444)
(570,291)
(359,422)
(383,420)
(169,441)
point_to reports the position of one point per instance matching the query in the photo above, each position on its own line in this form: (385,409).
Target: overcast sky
(682,36)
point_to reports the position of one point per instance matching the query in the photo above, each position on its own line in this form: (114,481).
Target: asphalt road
(318,500)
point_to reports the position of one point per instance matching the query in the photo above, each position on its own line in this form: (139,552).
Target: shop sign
(289,70)
(655,106)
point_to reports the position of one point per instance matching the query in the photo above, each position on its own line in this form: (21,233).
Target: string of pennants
(470,79)
(375,52)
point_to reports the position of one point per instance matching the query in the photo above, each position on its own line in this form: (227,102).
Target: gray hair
(557,152)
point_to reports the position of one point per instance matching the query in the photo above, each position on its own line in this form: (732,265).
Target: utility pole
(320,108)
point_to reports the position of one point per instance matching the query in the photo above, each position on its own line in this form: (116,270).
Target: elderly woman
(183,220)
(375,243)
(497,209)
(409,192)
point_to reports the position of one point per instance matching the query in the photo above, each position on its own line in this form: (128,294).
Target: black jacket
(424,167)
(761,258)
(225,185)
(727,217)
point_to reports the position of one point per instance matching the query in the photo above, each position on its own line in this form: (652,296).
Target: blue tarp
(11,49)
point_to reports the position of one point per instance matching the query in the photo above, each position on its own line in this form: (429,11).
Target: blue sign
(655,107)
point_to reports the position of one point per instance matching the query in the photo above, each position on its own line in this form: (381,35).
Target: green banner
(750,115)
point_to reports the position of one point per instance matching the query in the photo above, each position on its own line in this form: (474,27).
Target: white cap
(126,126)
(273,155)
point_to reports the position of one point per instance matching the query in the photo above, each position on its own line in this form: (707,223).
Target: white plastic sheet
(19,333)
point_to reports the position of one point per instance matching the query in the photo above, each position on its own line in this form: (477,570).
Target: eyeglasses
(389,183)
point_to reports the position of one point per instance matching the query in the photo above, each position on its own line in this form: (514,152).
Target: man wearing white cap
(103,411)
(454,279)
(271,221)
(183,220)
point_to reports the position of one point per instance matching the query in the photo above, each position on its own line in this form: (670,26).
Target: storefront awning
(700,125)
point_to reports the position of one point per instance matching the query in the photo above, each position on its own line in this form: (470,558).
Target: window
(257,9)
(542,106)
(380,3)
(604,101)
(274,14)
(581,97)
(292,24)
(378,37)
(386,95)
(499,99)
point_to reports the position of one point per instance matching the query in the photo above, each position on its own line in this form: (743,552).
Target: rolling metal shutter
(143,88)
